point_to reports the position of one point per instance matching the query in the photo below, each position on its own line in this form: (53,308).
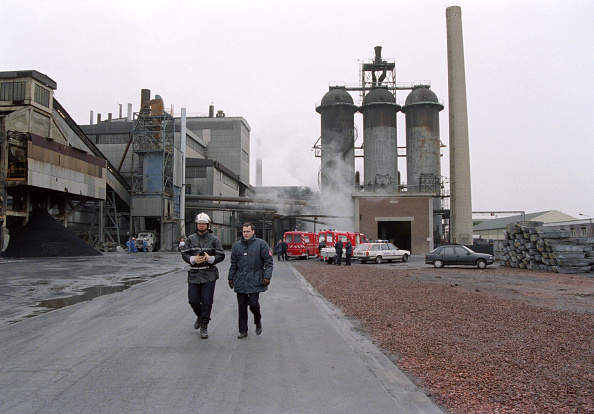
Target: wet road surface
(137,351)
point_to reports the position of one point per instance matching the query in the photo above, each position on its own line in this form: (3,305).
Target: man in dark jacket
(348,252)
(285,250)
(202,251)
(249,274)
(338,248)
(279,250)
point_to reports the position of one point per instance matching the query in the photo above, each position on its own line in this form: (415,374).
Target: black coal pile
(44,236)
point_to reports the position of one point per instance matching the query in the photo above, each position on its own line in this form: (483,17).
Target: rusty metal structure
(154,197)
(46,161)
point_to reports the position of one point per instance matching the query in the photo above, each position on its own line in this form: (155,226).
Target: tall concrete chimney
(259,172)
(460,201)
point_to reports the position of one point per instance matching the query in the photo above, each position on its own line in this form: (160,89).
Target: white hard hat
(202,218)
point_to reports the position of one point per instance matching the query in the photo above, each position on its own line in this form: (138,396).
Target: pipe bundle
(529,245)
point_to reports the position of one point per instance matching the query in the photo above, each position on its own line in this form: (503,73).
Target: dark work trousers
(200,297)
(245,300)
(338,258)
(348,260)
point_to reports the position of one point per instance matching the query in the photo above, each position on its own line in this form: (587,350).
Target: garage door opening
(397,232)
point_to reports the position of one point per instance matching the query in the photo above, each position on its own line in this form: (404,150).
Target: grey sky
(529,72)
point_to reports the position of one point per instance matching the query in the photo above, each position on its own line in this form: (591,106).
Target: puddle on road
(89,293)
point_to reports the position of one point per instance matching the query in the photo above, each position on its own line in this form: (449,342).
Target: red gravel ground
(498,340)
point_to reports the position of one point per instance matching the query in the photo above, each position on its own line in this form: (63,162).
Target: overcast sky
(529,72)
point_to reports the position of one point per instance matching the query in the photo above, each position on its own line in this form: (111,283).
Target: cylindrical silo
(423,159)
(337,141)
(380,141)
(423,166)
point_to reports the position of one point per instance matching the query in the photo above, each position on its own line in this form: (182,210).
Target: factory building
(215,160)
(48,162)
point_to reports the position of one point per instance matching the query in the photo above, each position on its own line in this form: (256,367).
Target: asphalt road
(136,351)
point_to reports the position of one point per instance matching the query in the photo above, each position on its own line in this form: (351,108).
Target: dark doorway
(397,232)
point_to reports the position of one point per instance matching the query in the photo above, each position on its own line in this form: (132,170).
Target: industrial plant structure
(152,171)
(48,162)
(382,206)
(413,214)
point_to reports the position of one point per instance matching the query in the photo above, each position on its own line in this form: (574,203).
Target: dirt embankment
(498,340)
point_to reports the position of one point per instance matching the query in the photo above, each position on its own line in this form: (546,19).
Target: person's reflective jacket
(209,243)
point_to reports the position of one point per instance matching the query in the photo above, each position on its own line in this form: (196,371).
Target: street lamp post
(590,230)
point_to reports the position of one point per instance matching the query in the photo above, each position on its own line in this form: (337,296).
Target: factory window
(113,139)
(12,91)
(195,172)
(583,232)
(188,188)
(196,146)
(42,96)
(572,231)
(230,182)
(215,231)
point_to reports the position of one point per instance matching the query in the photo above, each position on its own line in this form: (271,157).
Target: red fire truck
(301,244)
(330,237)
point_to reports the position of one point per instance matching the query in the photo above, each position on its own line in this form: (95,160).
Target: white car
(379,252)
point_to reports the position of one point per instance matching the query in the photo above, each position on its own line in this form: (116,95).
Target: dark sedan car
(458,255)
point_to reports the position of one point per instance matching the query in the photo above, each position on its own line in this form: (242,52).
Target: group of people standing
(131,245)
(281,249)
(249,273)
(348,250)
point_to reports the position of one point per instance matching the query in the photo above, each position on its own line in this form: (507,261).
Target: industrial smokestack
(259,172)
(211,111)
(129,116)
(461,201)
(91,121)
(145,98)
(378,54)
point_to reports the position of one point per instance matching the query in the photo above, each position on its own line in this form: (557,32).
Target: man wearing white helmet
(202,250)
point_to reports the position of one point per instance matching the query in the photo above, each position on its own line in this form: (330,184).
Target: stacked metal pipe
(529,245)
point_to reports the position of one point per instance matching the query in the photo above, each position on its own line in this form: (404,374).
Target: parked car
(379,251)
(458,255)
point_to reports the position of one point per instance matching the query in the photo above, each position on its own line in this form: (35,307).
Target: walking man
(249,274)
(202,251)
(338,248)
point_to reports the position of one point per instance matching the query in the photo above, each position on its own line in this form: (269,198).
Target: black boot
(203,331)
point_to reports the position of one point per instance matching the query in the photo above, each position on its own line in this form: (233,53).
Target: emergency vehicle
(301,244)
(330,237)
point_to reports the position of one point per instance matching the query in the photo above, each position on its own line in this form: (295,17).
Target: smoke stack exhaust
(460,190)
(145,98)
(378,54)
